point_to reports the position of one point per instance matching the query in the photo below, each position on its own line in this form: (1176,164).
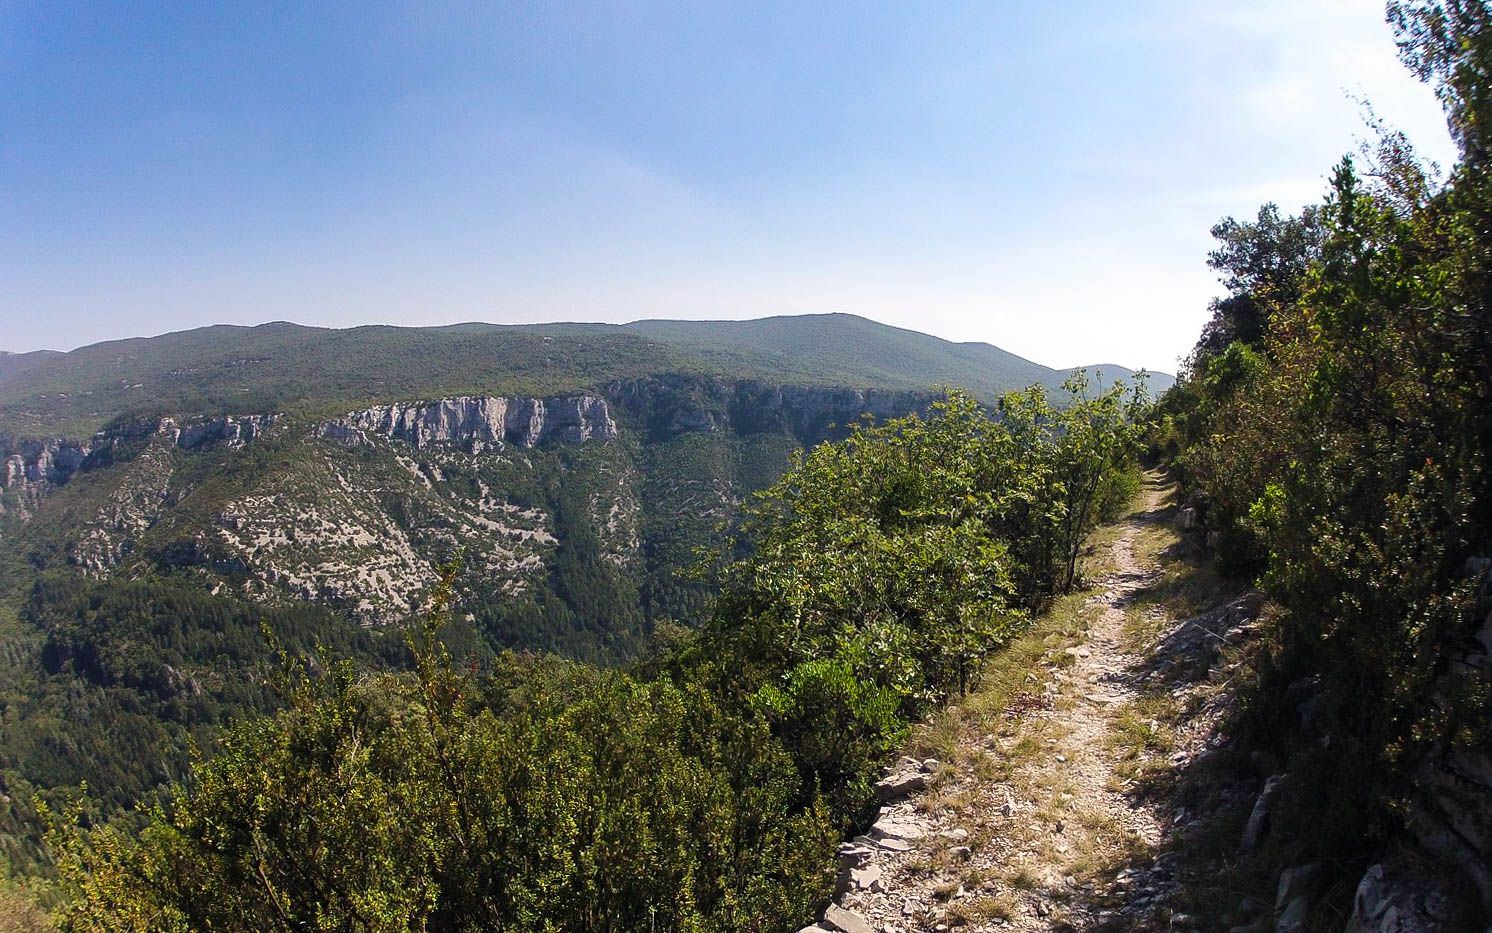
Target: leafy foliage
(111,685)
(884,567)
(1342,450)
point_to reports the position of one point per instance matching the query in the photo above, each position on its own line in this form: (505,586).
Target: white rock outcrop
(479,420)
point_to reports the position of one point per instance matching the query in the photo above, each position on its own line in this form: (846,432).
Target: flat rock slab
(846,921)
(889,828)
(854,855)
(867,878)
(889,845)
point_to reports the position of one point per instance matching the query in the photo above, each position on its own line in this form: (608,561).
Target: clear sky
(1037,175)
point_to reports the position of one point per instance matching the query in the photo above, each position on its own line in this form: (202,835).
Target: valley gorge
(410,483)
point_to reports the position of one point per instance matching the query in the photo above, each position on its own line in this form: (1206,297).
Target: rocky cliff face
(51,461)
(233,431)
(35,461)
(475,421)
(560,538)
(660,406)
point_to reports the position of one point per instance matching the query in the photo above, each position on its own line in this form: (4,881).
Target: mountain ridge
(237,369)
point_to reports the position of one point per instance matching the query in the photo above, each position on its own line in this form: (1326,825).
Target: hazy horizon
(1042,180)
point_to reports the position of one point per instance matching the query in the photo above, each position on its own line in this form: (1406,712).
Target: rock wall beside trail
(1451,812)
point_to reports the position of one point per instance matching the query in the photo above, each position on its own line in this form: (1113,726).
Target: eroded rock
(900,785)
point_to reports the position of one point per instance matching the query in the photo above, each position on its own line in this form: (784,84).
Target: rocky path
(1044,815)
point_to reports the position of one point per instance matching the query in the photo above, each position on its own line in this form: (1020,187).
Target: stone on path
(890,845)
(846,921)
(867,878)
(899,785)
(854,855)
(891,828)
(1258,824)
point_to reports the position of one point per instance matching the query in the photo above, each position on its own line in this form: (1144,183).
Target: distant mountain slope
(228,369)
(281,366)
(845,349)
(13,364)
(316,481)
(842,346)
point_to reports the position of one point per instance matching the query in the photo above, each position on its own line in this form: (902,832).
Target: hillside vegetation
(134,581)
(842,348)
(704,790)
(1323,741)
(319,372)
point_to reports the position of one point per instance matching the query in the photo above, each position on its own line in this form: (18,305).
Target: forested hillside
(320,371)
(139,566)
(582,627)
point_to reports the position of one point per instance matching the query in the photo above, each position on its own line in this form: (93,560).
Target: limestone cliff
(469,421)
(35,461)
(50,461)
(560,538)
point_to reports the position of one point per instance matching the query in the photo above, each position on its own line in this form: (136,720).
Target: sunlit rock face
(361,511)
(39,461)
(480,420)
(234,431)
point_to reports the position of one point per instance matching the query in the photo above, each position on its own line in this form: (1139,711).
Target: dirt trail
(1045,816)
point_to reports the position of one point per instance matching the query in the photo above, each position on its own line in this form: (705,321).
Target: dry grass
(1012,681)
(1142,735)
(977,910)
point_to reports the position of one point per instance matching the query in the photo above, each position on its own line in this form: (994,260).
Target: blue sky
(1038,176)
